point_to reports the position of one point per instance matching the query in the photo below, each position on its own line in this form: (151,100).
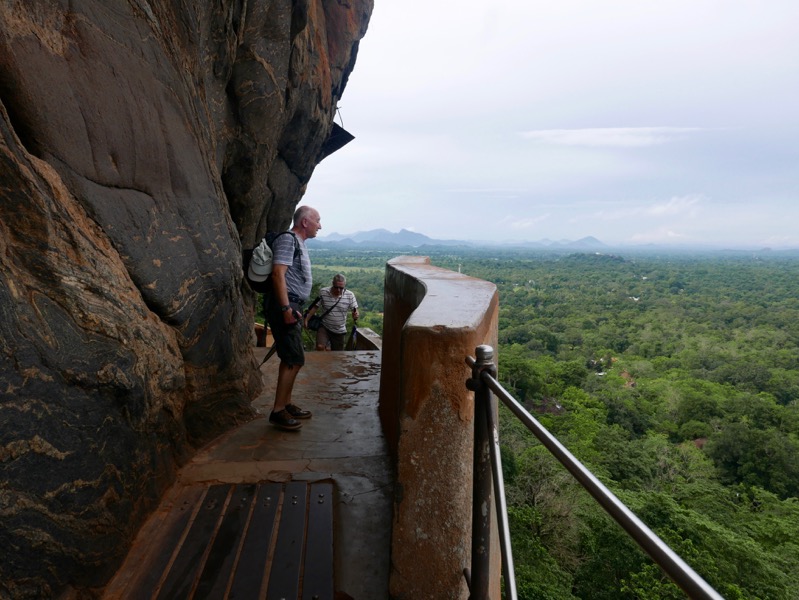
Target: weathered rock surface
(142,144)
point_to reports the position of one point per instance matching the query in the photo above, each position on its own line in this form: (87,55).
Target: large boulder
(143,143)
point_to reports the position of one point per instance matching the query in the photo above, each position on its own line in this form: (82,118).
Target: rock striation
(143,143)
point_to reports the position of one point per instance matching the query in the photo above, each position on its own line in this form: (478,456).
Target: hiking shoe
(283,420)
(297,412)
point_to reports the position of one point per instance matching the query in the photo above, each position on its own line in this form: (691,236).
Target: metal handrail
(483,382)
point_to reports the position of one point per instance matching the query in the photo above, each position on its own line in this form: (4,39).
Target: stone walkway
(342,444)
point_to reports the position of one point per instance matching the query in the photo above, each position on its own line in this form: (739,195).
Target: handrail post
(506,550)
(482,482)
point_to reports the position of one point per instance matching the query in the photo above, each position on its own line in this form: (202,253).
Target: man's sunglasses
(338,287)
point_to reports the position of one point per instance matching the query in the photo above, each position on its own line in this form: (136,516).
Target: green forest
(673,377)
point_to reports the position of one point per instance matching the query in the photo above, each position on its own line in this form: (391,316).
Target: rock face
(143,143)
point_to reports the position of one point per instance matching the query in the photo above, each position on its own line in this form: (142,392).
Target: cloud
(785,241)
(663,235)
(682,207)
(524,223)
(510,192)
(610,137)
(676,206)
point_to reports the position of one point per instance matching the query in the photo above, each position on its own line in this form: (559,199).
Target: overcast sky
(632,121)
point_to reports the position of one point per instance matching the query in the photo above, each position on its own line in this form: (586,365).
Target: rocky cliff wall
(142,144)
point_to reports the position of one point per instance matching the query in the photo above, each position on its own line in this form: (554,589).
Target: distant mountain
(384,238)
(361,236)
(586,242)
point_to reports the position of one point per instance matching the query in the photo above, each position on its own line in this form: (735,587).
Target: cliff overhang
(143,143)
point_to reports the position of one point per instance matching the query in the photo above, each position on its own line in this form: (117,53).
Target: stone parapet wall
(368,340)
(434,318)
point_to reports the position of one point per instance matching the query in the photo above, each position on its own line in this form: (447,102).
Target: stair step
(241,541)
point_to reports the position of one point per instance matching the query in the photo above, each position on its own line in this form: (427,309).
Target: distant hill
(405,240)
(384,238)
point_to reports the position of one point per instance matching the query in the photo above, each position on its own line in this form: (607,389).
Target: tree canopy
(675,379)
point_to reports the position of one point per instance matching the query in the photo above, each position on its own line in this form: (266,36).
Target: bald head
(306,222)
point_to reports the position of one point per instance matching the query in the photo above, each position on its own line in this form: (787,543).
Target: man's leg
(321,339)
(337,341)
(285,415)
(289,350)
(286,375)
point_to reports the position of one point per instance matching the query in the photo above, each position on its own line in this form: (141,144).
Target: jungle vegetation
(673,377)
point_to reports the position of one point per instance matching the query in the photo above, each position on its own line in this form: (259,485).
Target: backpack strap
(332,307)
(297,249)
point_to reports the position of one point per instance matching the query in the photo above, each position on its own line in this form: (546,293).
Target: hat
(260,264)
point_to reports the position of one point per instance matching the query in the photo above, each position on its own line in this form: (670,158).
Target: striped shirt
(336,320)
(283,254)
